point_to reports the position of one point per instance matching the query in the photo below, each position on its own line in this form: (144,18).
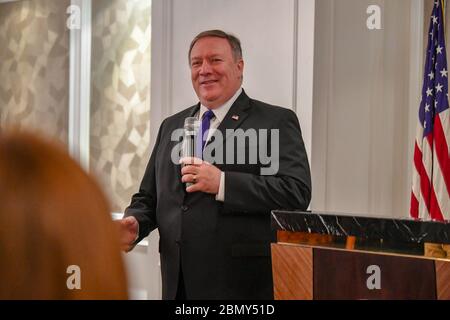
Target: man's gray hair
(234,42)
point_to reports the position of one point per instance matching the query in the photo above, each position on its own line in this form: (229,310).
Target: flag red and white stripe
(431,175)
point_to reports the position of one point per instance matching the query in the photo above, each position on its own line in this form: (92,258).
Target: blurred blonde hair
(52,216)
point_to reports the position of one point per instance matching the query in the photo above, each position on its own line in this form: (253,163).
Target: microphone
(191,129)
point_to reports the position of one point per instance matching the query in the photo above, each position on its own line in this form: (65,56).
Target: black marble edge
(370,228)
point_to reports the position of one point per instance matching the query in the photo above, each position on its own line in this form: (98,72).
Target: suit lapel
(235,116)
(193,111)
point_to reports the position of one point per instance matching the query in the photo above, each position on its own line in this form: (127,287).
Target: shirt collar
(221,111)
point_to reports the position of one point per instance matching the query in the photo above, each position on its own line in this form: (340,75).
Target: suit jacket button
(184,208)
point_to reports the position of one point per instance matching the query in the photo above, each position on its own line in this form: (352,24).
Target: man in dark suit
(215,234)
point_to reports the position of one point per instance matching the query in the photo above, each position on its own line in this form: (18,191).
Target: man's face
(215,74)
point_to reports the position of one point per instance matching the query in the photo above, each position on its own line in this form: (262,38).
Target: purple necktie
(206,119)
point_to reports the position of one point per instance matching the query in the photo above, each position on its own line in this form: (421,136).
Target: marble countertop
(389,229)
(381,234)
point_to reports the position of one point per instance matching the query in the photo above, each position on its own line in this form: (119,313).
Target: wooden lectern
(322,256)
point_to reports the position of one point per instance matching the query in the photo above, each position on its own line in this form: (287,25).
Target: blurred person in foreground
(53,216)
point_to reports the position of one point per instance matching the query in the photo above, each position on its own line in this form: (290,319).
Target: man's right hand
(128,229)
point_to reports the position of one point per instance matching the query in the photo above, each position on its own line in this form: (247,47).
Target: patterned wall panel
(120,96)
(34,65)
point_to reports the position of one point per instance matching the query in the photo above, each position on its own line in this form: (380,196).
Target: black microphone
(191,128)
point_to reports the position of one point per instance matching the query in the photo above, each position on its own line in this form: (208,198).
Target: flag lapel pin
(235,118)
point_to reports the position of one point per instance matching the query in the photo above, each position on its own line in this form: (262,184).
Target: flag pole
(444,7)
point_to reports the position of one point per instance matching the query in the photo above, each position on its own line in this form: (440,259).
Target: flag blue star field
(431,175)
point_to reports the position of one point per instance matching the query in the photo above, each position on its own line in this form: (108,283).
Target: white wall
(143,270)
(365,98)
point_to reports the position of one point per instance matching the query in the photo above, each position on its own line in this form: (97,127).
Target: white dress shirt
(219,115)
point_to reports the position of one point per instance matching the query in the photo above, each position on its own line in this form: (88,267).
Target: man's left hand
(204,176)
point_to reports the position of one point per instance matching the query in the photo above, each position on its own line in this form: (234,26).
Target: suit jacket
(223,247)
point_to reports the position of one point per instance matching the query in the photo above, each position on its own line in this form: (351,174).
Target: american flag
(431,176)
